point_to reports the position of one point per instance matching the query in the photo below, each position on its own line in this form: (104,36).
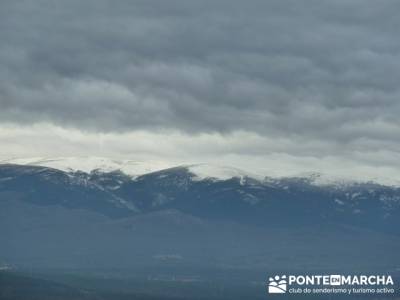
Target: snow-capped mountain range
(201,171)
(94,207)
(119,188)
(91,163)
(132,168)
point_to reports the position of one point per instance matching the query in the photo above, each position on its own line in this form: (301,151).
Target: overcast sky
(270,86)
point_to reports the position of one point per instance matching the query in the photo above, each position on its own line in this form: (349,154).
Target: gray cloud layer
(315,71)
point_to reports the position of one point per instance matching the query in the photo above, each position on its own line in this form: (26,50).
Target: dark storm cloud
(313,69)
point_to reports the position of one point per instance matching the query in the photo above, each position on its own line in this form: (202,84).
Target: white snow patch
(340,202)
(6,179)
(342,181)
(217,172)
(355,195)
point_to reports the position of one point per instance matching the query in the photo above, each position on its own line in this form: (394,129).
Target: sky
(277,87)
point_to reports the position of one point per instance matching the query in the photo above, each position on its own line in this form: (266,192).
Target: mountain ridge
(50,217)
(243,199)
(136,168)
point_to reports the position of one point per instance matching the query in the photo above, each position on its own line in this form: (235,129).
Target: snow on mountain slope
(201,171)
(131,167)
(321,179)
(88,164)
(217,172)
